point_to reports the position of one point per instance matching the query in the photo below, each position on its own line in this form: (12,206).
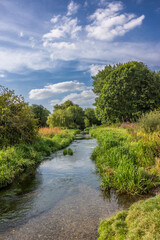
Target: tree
(41,114)
(67,115)
(99,79)
(17,123)
(128,91)
(90,117)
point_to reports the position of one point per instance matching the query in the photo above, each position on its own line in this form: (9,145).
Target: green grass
(124,162)
(141,222)
(14,160)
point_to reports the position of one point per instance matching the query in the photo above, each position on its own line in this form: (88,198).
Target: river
(60,200)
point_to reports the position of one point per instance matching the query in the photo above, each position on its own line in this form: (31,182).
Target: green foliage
(41,114)
(65,152)
(17,123)
(150,122)
(122,161)
(90,117)
(99,79)
(125,92)
(14,160)
(141,222)
(70,152)
(67,115)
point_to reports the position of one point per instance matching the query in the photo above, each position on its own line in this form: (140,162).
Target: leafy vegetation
(41,114)
(14,160)
(65,152)
(17,123)
(90,117)
(150,122)
(67,115)
(141,222)
(70,152)
(125,92)
(126,161)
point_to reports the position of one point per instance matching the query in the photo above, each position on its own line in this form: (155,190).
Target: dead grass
(49,132)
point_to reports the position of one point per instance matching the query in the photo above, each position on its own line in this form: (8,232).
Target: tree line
(124,93)
(19,122)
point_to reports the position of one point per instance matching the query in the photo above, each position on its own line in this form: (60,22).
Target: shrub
(17,124)
(70,152)
(65,152)
(150,122)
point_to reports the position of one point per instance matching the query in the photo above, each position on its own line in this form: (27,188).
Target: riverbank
(141,222)
(127,160)
(16,159)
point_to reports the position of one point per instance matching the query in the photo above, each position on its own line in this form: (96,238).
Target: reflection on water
(59,200)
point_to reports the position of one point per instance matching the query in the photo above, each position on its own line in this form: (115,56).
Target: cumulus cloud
(53,89)
(85,98)
(108,23)
(72,8)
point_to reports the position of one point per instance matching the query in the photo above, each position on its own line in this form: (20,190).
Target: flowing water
(60,200)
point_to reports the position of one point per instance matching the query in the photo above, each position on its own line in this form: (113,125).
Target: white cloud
(85,98)
(72,8)
(2,75)
(55,18)
(53,89)
(21,34)
(108,23)
(54,102)
(94,68)
(18,60)
(66,27)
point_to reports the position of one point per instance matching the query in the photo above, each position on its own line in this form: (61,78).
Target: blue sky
(49,49)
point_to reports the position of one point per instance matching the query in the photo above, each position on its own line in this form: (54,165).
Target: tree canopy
(41,114)
(67,115)
(125,91)
(17,123)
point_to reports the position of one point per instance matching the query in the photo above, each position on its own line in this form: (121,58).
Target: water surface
(60,200)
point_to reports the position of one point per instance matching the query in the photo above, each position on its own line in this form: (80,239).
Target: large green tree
(17,123)
(126,92)
(40,113)
(67,115)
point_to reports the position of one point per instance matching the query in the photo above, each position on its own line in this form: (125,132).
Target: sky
(49,49)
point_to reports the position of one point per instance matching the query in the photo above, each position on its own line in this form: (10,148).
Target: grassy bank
(14,160)
(141,222)
(127,160)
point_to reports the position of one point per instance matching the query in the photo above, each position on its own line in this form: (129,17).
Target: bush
(150,122)
(65,152)
(70,152)
(17,124)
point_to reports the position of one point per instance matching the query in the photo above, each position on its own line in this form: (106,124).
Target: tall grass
(14,160)
(126,161)
(49,131)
